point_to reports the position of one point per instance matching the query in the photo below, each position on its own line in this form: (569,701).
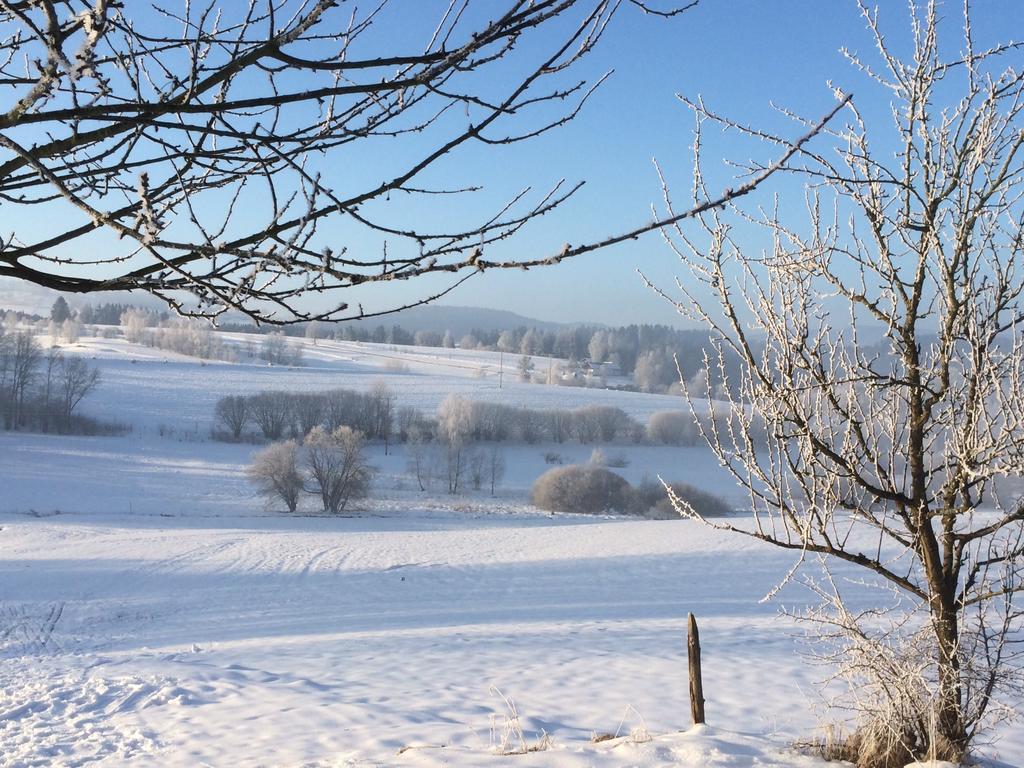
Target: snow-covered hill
(154,613)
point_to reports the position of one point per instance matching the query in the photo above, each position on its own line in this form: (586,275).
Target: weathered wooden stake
(696,684)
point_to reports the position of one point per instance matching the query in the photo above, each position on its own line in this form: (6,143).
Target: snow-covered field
(154,613)
(150,388)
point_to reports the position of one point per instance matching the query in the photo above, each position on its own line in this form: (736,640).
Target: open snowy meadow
(154,611)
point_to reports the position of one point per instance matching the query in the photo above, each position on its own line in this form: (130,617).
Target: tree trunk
(950,726)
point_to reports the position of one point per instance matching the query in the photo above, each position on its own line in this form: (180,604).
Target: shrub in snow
(275,471)
(651,499)
(581,489)
(337,466)
(672,428)
(617,460)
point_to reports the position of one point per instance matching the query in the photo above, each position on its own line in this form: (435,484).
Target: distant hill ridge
(461,320)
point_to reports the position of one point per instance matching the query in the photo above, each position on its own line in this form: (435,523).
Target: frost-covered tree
(275,472)
(525,367)
(70,331)
(881,334)
(135,324)
(278,349)
(455,425)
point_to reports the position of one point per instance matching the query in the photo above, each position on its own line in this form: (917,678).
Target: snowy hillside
(155,612)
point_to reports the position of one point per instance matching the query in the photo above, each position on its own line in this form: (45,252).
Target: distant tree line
(653,355)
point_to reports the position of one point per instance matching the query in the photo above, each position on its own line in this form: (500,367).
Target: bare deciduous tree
(308,410)
(272,412)
(233,412)
(337,466)
(495,467)
(20,356)
(76,380)
(381,401)
(883,354)
(187,151)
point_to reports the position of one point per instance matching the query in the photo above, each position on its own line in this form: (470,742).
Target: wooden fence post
(696,684)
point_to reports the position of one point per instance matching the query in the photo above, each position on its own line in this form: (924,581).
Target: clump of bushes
(651,500)
(330,465)
(596,490)
(581,489)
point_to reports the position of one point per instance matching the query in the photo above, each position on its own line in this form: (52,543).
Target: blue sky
(739,55)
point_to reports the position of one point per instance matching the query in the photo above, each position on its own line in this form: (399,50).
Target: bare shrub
(581,489)
(337,466)
(275,471)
